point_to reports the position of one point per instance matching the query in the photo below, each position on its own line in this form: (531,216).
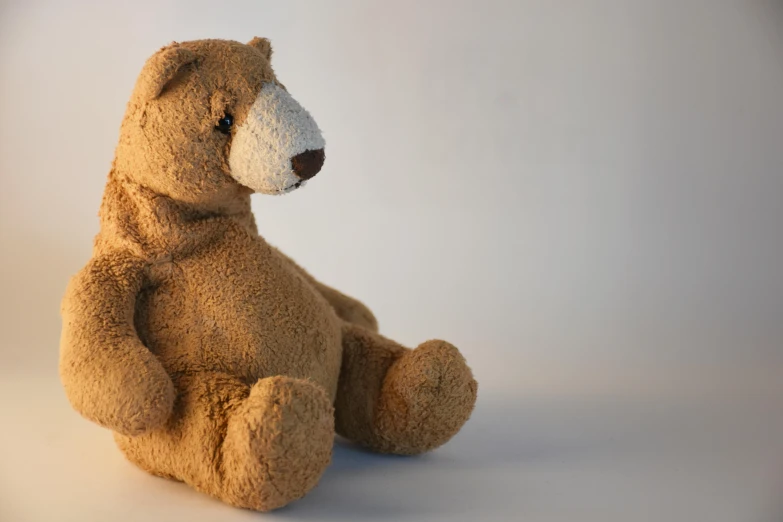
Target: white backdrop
(585,197)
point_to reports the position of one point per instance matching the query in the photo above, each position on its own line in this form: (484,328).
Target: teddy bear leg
(257,447)
(278,443)
(395,400)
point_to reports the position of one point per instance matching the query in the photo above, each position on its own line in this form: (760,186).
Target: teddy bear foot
(278,443)
(427,395)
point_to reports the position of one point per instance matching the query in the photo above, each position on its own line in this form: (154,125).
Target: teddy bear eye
(225,123)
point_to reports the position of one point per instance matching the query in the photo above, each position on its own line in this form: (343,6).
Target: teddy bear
(214,358)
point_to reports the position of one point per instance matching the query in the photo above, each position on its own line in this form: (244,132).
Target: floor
(543,458)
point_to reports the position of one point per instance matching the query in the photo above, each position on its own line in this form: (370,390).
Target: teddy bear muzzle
(278,147)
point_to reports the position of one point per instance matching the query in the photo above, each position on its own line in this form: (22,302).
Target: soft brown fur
(213,357)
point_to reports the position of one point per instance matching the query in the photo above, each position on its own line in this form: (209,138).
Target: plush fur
(214,358)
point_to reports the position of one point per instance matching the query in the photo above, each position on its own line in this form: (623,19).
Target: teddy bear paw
(427,396)
(278,443)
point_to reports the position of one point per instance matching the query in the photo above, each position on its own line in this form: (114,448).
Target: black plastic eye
(225,123)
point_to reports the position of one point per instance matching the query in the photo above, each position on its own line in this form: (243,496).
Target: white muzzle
(276,129)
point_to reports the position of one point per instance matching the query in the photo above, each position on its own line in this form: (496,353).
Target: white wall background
(583,196)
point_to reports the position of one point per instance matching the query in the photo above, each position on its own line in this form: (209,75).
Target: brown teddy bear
(214,358)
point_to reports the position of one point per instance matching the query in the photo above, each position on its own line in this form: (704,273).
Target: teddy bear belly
(242,314)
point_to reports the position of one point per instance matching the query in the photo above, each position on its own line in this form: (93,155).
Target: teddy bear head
(208,121)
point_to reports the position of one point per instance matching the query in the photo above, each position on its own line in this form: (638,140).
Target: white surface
(601,459)
(584,196)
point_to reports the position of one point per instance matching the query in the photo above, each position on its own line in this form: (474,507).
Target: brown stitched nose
(308,163)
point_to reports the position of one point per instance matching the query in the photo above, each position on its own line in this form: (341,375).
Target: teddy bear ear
(161,68)
(263,45)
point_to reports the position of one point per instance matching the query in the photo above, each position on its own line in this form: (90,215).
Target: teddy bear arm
(109,376)
(347,308)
